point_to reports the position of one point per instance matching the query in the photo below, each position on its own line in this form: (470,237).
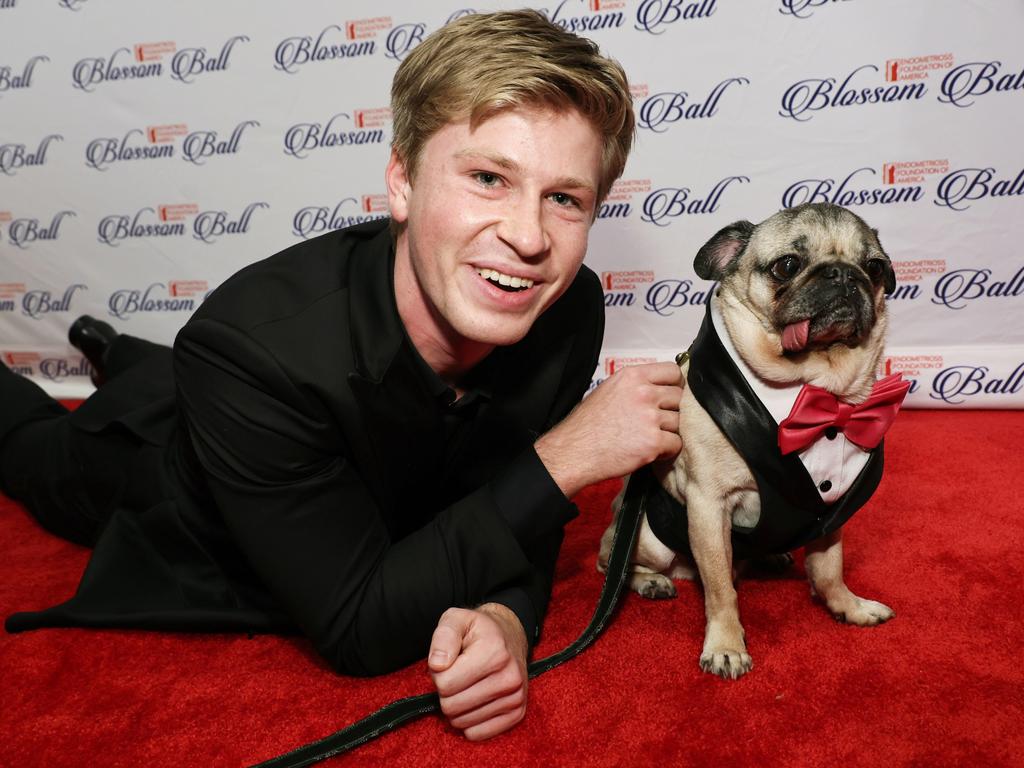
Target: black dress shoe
(93,338)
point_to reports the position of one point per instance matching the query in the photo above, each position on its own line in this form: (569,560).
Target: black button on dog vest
(831,433)
(826,486)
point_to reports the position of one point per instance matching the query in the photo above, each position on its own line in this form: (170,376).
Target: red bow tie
(816,410)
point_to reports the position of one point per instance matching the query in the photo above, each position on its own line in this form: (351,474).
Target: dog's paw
(863,613)
(653,586)
(728,664)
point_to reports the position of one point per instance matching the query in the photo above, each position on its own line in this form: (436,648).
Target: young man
(371,436)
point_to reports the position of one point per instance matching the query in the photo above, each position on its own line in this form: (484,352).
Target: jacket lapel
(397,414)
(523,380)
(400,423)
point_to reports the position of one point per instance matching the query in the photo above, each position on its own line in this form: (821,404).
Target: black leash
(402,711)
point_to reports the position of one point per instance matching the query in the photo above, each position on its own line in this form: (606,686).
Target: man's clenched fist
(477,662)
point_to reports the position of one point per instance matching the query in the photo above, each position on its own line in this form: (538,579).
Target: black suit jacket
(309,476)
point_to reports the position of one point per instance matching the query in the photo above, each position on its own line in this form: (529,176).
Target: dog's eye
(875,269)
(785,268)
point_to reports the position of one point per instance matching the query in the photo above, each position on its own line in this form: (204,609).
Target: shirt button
(826,486)
(831,433)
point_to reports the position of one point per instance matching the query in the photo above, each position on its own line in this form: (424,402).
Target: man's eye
(487,179)
(562,199)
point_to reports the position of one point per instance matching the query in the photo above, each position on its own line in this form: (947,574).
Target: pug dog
(800,301)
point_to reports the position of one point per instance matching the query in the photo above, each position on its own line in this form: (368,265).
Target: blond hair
(483,64)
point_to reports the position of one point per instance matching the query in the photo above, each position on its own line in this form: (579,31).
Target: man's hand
(477,661)
(630,420)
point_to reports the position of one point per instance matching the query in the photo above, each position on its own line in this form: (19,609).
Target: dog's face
(814,278)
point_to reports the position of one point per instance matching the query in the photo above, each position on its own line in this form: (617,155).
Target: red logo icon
(177,212)
(187,287)
(153,51)
(918,269)
(912,366)
(639,90)
(626,280)
(15,359)
(375,203)
(371,118)
(613,364)
(165,134)
(912,171)
(916,67)
(362,29)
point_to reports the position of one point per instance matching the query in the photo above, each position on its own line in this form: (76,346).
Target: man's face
(497,222)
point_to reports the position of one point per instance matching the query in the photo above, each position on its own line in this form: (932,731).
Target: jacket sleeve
(309,527)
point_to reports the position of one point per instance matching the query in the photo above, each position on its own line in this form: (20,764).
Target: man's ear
(719,253)
(397,179)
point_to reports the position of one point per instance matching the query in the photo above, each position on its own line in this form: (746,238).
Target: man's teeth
(507,280)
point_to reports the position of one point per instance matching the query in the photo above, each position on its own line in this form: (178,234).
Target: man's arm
(307,523)
(478,665)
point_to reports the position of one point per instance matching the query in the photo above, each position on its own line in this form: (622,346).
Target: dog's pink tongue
(794,336)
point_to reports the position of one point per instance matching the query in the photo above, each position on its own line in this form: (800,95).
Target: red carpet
(939,685)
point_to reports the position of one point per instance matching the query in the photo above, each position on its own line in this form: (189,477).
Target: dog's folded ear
(890,277)
(890,273)
(715,258)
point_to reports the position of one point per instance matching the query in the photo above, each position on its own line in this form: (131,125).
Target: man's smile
(504,281)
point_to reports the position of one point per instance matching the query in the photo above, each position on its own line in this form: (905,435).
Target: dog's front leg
(710,528)
(824,563)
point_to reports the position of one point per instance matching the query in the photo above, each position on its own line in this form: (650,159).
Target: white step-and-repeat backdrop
(148,150)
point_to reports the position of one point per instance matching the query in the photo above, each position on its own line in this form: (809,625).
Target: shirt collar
(476,384)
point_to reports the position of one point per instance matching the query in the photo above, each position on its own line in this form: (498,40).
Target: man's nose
(522,227)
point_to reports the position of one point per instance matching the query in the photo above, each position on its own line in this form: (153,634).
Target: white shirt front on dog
(833,462)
